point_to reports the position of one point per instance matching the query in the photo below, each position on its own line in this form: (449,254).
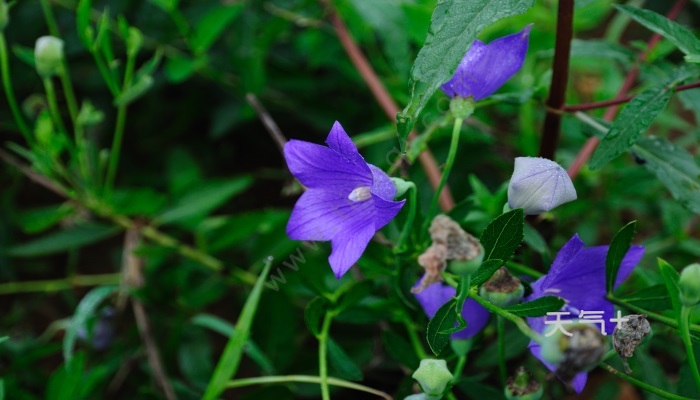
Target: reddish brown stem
(560,79)
(608,103)
(387,103)
(591,144)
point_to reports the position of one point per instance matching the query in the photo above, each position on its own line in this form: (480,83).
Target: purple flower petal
(385,211)
(339,141)
(321,214)
(485,68)
(320,167)
(434,296)
(349,244)
(382,186)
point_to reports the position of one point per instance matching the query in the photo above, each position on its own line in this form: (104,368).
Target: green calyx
(689,285)
(433,376)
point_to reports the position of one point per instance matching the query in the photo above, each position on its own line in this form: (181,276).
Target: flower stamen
(360,193)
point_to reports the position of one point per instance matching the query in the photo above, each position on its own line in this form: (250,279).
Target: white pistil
(360,193)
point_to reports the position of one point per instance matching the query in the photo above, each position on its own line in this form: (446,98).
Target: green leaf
(682,37)
(137,89)
(400,350)
(228,363)
(202,200)
(618,248)
(226,328)
(650,298)
(61,241)
(443,320)
(343,365)
(533,239)
(632,122)
(65,382)
(314,313)
(692,58)
(538,307)
(40,219)
(671,278)
(485,271)
(86,308)
(355,294)
(503,235)
(212,25)
(675,168)
(454,26)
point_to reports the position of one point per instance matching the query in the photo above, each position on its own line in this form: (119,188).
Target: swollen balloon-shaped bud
(539,185)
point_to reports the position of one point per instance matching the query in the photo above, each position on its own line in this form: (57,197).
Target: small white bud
(539,185)
(48,55)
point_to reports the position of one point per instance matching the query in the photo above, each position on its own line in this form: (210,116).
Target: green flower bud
(522,387)
(468,267)
(402,186)
(461,107)
(48,55)
(433,377)
(4,15)
(689,285)
(502,289)
(576,353)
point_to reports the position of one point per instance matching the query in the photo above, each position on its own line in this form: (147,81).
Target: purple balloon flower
(435,295)
(578,276)
(347,200)
(486,67)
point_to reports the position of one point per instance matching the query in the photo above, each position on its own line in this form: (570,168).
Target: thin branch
(608,103)
(32,175)
(132,270)
(560,79)
(147,231)
(591,144)
(364,68)
(306,379)
(272,128)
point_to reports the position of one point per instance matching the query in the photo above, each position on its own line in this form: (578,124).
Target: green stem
(50,19)
(305,379)
(53,105)
(9,93)
(322,358)
(412,204)
(65,77)
(461,362)
(522,269)
(414,338)
(519,322)
(57,285)
(501,349)
(119,128)
(456,129)
(642,385)
(652,315)
(684,327)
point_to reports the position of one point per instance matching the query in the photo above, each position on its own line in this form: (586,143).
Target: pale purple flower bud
(486,67)
(539,185)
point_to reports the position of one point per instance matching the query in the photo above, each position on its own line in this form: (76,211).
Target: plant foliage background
(201,195)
